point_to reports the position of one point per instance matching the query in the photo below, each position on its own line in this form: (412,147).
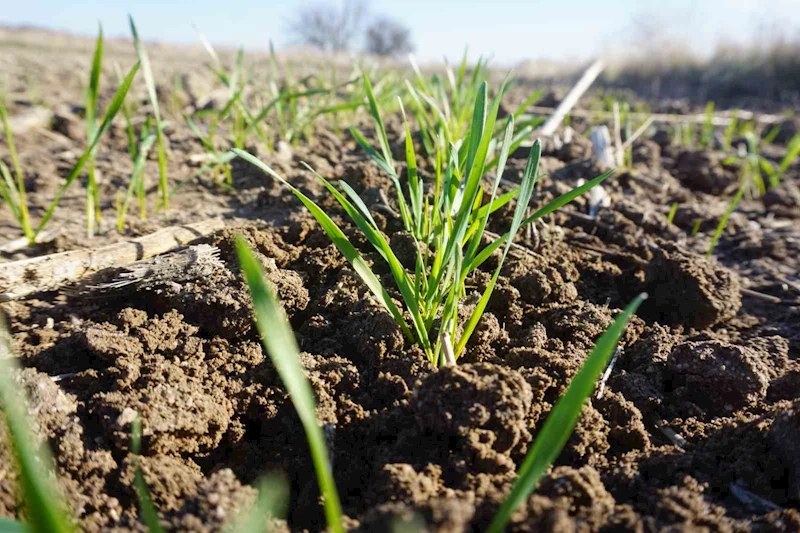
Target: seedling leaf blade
(111,112)
(146,507)
(341,242)
(280,343)
(44,507)
(273,495)
(562,419)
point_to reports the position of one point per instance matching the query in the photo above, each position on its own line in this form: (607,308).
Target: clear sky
(509,30)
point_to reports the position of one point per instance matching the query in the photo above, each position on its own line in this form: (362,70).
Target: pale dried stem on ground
(716,120)
(21,278)
(572,98)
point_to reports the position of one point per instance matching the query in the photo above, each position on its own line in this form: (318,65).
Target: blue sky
(509,30)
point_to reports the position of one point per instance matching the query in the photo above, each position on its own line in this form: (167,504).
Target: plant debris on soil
(696,429)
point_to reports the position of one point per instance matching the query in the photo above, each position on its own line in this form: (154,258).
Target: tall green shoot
(708,129)
(280,343)
(148,511)
(44,507)
(144,60)
(447,225)
(111,112)
(562,419)
(13,192)
(93,215)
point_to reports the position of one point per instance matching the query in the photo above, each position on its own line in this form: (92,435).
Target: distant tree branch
(329,27)
(387,37)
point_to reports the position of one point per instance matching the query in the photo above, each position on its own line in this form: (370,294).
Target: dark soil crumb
(687,289)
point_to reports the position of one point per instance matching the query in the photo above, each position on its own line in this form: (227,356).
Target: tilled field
(696,429)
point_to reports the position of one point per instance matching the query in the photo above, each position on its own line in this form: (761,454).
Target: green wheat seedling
(147,510)
(235,110)
(280,343)
(562,419)
(443,111)
(730,132)
(127,114)
(92,94)
(283,351)
(144,60)
(295,104)
(673,210)
(13,192)
(286,108)
(708,129)
(447,226)
(752,170)
(43,506)
(137,183)
(273,497)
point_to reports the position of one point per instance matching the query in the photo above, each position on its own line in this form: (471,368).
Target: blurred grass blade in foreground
(44,507)
(273,496)
(279,341)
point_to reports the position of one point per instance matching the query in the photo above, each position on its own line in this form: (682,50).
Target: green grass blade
(372,152)
(237,73)
(280,343)
(483,124)
(341,242)
(273,497)
(21,194)
(792,152)
(404,284)
(130,132)
(223,159)
(136,175)
(358,202)
(232,102)
(489,208)
(462,69)
(769,170)
(486,253)
(566,198)
(478,124)
(94,81)
(526,129)
(13,526)
(529,179)
(376,117)
(9,193)
(484,217)
(562,419)
(673,210)
(405,214)
(147,72)
(209,49)
(148,511)
(111,111)
(414,182)
(724,220)
(549,208)
(535,95)
(44,507)
(199,134)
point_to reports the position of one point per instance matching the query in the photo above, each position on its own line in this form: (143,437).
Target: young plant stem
(18,200)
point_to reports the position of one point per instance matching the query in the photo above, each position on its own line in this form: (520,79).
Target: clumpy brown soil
(697,428)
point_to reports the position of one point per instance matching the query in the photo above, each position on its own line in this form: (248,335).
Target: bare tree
(329,27)
(387,37)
